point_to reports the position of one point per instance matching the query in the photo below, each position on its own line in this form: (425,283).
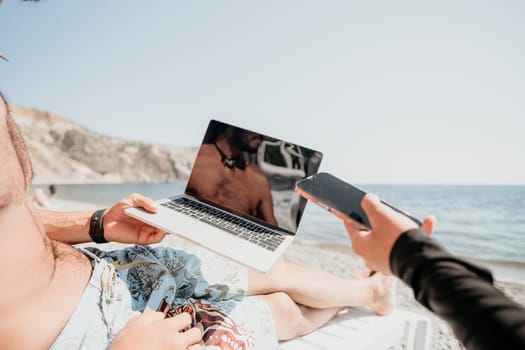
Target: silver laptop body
(214,210)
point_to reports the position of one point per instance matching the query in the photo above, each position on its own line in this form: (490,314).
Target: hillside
(64,152)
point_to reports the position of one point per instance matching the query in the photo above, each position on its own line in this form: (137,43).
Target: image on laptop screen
(252,175)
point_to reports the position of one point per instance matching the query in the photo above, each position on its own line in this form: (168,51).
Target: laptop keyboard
(235,225)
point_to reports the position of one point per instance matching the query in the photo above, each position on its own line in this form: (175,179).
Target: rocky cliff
(65,152)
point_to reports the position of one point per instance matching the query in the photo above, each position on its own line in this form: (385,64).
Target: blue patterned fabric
(125,282)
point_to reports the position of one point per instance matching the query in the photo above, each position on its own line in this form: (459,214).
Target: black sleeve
(459,292)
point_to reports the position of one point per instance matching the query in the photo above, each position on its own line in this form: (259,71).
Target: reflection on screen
(252,174)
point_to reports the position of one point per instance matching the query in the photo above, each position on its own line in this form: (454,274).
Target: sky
(392,92)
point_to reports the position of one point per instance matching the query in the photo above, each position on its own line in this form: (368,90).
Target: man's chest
(232,188)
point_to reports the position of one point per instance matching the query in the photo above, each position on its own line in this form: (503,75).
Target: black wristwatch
(96,226)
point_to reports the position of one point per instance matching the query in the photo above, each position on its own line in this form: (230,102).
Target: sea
(482,223)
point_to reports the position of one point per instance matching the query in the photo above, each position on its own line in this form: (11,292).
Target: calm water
(481,222)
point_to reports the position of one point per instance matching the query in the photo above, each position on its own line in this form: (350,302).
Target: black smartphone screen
(336,194)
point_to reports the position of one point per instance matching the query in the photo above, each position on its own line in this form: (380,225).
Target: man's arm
(265,208)
(67,227)
(461,293)
(481,316)
(73,227)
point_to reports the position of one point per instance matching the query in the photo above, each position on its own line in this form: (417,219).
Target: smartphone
(338,197)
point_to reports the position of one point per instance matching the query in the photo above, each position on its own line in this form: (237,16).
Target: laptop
(239,200)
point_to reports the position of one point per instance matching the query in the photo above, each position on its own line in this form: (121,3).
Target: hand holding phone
(338,197)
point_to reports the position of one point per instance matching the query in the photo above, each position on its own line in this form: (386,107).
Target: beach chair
(361,329)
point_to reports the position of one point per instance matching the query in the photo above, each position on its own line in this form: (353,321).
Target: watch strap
(96,226)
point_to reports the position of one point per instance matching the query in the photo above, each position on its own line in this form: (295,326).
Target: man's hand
(119,227)
(387,225)
(150,330)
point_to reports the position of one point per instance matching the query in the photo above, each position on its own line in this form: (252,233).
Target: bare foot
(383,295)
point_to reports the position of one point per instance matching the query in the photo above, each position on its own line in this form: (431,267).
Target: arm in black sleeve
(481,316)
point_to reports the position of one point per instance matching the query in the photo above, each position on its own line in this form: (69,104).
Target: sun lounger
(361,329)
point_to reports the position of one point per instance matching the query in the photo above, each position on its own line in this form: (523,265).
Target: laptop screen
(252,175)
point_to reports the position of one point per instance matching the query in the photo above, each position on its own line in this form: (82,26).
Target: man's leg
(320,290)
